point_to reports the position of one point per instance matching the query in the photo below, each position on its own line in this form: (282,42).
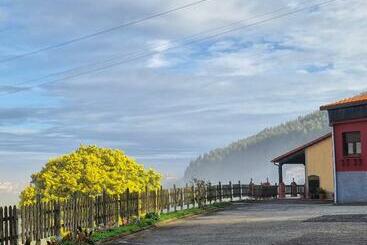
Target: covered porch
(316,157)
(294,157)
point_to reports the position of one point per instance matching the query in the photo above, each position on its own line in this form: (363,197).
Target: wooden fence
(8,225)
(295,190)
(47,219)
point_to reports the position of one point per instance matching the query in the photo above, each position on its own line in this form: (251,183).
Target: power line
(107,66)
(177,46)
(161,47)
(103,31)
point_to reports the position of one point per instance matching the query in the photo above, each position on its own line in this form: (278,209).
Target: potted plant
(322,194)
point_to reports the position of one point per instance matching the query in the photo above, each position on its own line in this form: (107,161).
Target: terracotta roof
(352,101)
(301,148)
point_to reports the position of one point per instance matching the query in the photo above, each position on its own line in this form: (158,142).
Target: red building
(348,119)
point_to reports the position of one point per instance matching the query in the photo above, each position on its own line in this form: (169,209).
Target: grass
(152,221)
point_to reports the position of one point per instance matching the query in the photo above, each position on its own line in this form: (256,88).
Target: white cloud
(160,45)
(159,60)
(19,130)
(10,187)
(9,193)
(231,64)
(221,46)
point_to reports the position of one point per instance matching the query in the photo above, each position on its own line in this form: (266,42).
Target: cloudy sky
(177,85)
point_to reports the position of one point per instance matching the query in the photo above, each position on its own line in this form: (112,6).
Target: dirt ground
(269,222)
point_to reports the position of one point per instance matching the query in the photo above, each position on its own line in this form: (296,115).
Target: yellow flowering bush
(28,196)
(89,171)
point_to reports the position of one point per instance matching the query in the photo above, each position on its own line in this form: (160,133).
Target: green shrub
(152,216)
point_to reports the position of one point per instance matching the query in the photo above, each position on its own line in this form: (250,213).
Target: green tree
(89,171)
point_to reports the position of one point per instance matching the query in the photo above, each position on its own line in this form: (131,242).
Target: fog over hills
(250,157)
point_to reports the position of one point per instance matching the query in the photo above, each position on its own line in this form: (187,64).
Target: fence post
(182,197)
(146,200)
(16,226)
(186,192)
(138,202)
(1,226)
(239,189)
(175,198)
(230,191)
(127,205)
(210,193)
(193,195)
(22,226)
(91,211)
(116,202)
(252,188)
(38,220)
(104,207)
(161,199)
(5,229)
(121,208)
(220,191)
(169,200)
(13,220)
(10,222)
(156,208)
(57,218)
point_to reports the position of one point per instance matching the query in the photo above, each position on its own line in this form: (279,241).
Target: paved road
(273,222)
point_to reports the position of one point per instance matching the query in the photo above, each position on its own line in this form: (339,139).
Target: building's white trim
(334,168)
(306,176)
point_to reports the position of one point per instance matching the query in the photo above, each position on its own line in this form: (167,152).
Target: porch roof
(297,155)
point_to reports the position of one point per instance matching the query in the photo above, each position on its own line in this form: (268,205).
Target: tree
(89,171)
(200,192)
(255,152)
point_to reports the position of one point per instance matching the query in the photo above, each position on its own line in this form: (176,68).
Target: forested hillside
(250,157)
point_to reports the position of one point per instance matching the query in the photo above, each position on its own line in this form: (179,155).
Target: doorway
(314,186)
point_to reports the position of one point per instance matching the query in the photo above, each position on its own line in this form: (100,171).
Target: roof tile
(355,100)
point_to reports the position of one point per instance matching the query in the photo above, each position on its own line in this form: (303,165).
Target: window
(352,143)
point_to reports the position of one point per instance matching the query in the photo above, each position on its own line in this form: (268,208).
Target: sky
(169,99)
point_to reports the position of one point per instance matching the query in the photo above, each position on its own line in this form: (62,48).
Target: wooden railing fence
(47,219)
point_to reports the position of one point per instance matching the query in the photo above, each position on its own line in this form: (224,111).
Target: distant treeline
(250,157)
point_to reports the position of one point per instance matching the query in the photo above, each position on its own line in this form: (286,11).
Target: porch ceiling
(297,157)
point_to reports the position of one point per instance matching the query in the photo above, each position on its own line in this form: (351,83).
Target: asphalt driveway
(271,222)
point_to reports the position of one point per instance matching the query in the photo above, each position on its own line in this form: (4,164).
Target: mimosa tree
(89,170)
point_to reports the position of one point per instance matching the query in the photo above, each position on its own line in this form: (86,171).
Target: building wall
(351,172)
(319,161)
(351,188)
